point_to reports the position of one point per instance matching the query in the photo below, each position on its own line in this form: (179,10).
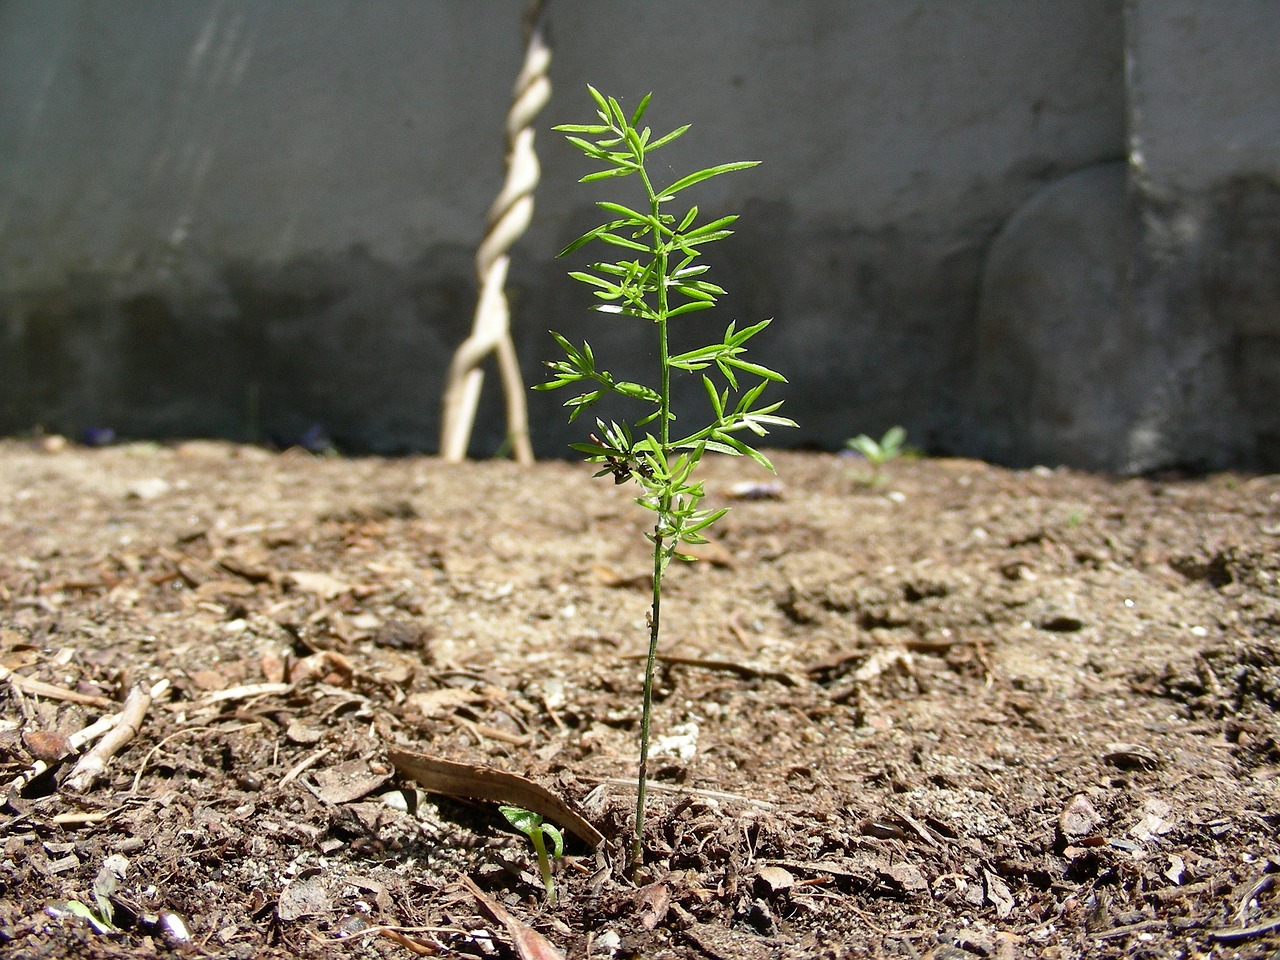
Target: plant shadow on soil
(969,712)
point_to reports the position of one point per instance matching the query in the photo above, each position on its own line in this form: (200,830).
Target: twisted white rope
(509,217)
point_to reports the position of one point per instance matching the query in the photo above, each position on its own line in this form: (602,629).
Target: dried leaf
(436,702)
(529,943)
(905,876)
(466,780)
(998,894)
(653,902)
(304,898)
(47,745)
(348,781)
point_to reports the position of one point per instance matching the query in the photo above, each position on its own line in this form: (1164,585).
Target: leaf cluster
(889,447)
(657,277)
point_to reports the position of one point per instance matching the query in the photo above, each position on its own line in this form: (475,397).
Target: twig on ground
(128,724)
(75,742)
(300,768)
(244,692)
(682,791)
(744,670)
(38,688)
(137,777)
(1234,934)
(483,731)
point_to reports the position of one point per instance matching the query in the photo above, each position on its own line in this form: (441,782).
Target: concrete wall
(241,219)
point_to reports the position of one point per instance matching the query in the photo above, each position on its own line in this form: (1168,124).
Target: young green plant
(537,830)
(878,453)
(656,279)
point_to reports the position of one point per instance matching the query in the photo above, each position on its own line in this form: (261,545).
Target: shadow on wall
(242,351)
(1243,284)
(1120,332)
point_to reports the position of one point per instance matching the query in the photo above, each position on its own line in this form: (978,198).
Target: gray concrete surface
(247,218)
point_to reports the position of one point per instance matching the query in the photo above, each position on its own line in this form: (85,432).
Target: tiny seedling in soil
(877,453)
(537,830)
(657,279)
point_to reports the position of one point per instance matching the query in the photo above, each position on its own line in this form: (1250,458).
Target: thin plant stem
(544,863)
(659,541)
(646,711)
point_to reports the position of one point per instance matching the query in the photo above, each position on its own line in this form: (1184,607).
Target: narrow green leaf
(690,307)
(694,292)
(716,446)
(615,111)
(736,338)
(594,129)
(713,227)
(760,371)
(640,109)
(745,450)
(772,420)
(726,371)
(636,144)
(582,241)
(664,140)
(707,174)
(593,280)
(750,397)
(632,215)
(620,171)
(592,449)
(701,353)
(705,522)
(688,219)
(619,310)
(637,390)
(620,241)
(589,148)
(598,97)
(714,396)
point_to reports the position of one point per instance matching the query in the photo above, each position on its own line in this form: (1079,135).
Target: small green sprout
(891,446)
(532,826)
(101,922)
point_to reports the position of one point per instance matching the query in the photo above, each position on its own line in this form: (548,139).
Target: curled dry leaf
(473,782)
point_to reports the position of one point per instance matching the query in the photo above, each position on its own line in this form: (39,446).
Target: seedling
(878,453)
(657,280)
(537,830)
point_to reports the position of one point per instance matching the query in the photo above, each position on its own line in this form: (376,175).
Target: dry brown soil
(967,712)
